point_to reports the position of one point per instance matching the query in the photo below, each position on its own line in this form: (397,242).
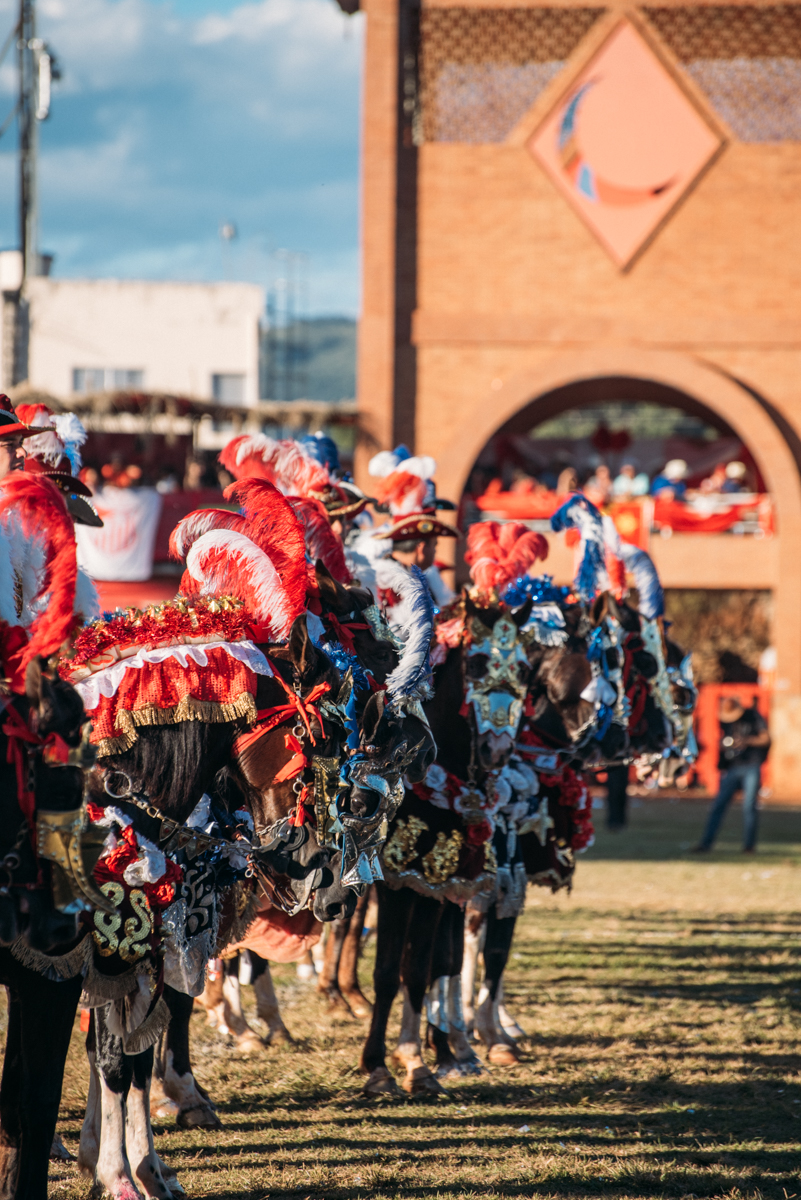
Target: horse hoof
(470,1066)
(381,1083)
(501,1055)
(423,1085)
(249,1042)
(59,1152)
(448,1071)
(359,1005)
(162,1108)
(202,1116)
(279,1037)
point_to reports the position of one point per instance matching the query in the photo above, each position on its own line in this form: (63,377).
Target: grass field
(662,1006)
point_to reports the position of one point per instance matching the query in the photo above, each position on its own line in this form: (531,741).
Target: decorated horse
(641,713)
(46,854)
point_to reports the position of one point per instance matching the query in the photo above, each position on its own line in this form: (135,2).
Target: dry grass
(662,1005)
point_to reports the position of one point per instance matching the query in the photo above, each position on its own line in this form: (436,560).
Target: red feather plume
(321,541)
(273,526)
(500,552)
(39,507)
(196,523)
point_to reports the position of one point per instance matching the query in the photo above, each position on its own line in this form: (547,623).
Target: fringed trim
(99,989)
(209,712)
(455,889)
(552,879)
(55,967)
(149,1031)
(246,905)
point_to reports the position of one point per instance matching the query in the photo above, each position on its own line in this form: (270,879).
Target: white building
(193,339)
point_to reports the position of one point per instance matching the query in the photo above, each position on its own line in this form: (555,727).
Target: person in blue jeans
(744,746)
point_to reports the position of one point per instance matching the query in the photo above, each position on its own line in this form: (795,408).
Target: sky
(174,117)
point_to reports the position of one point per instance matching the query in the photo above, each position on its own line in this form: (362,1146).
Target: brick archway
(553,386)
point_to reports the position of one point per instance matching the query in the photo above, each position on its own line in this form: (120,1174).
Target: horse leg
(394,914)
(348,975)
(507,1022)
(267,1007)
(475,932)
(232,1019)
(211,998)
(415,974)
(114,1074)
(10,1092)
(141,1151)
(442,958)
(41,1016)
(328,981)
(89,1147)
(500,931)
(466,1058)
(173,1077)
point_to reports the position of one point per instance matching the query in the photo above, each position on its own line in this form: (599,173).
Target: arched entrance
(567,380)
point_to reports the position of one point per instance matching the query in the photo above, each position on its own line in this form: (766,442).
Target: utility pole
(36,70)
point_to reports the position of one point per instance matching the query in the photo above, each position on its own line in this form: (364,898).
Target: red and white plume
(39,554)
(321,541)
(66,437)
(283,463)
(258,555)
(499,553)
(403,483)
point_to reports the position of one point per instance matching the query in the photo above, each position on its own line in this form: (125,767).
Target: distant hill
(316,360)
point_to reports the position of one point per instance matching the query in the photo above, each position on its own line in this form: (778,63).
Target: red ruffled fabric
(155,688)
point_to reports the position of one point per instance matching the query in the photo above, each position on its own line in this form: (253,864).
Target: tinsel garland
(223,617)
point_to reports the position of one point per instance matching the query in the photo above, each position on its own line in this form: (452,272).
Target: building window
(228,389)
(106,379)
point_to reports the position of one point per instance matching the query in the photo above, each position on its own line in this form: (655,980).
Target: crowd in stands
(603,489)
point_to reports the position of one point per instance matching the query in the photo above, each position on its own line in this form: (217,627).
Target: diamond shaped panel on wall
(624,144)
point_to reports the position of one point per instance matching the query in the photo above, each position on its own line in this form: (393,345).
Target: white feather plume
(87,601)
(73,436)
(412,620)
(223,560)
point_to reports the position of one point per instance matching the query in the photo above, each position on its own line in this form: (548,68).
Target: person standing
(744,746)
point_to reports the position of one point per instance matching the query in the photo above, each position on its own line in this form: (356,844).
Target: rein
(20,737)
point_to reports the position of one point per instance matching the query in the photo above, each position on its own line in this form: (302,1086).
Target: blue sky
(174,116)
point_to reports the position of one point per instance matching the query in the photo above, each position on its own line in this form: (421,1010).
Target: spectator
(598,488)
(91,477)
(713,484)
(193,476)
(669,484)
(567,482)
(629,483)
(735,479)
(743,748)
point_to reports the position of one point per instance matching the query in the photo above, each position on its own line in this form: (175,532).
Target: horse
(437,848)
(41,794)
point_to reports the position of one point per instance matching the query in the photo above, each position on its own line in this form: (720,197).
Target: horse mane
(500,552)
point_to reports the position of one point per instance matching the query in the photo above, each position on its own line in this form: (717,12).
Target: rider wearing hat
(12,433)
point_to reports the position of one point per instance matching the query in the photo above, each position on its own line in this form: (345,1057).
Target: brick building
(564,204)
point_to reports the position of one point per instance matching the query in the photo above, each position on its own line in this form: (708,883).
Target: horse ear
(332,592)
(600,607)
(522,614)
(372,717)
(301,648)
(33,681)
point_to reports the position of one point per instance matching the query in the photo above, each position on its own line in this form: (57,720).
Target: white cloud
(166,124)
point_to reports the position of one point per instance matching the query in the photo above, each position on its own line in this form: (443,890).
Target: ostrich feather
(225,561)
(273,526)
(580,513)
(321,541)
(413,622)
(500,552)
(39,512)
(402,491)
(72,435)
(195,524)
(387,461)
(87,601)
(283,463)
(646,580)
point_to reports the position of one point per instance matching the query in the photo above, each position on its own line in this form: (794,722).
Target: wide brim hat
(59,474)
(349,504)
(421,527)
(82,512)
(11,427)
